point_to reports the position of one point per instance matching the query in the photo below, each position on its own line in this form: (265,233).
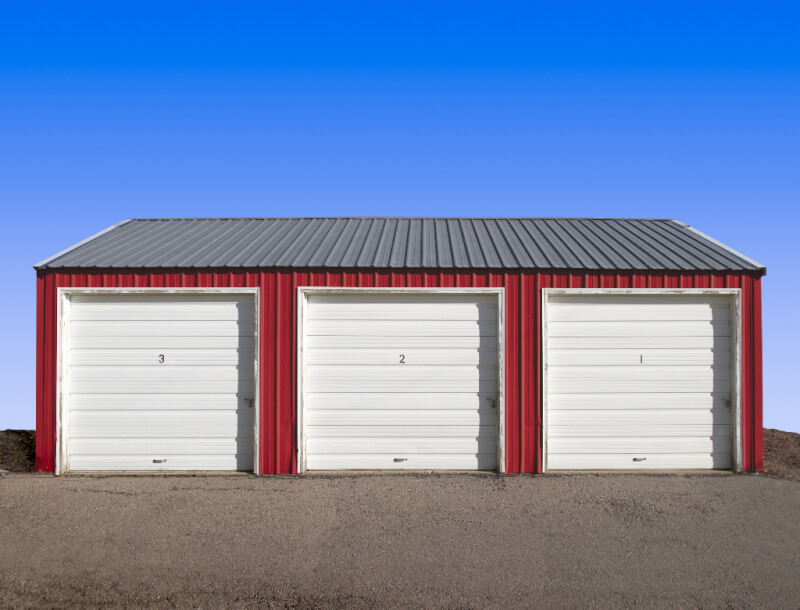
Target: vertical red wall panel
(298,279)
(543,280)
(382,279)
(349,279)
(285,306)
(512,360)
(528,306)
(747,380)
(267,378)
(755,367)
(278,344)
(48,365)
(42,464)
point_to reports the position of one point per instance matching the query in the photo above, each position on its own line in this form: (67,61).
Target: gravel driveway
(455,540)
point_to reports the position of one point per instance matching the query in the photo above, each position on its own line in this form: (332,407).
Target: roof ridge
(407,218)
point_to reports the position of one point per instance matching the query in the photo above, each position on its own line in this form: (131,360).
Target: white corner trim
(302,301)
(62,382)
(62,351)
(256,383)
(641,291)
(161,290)
(397,290)
(50,259)
(501,381)
(736,378)
(543,360)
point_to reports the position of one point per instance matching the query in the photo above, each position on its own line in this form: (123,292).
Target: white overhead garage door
(160,382)
(400,381)
(639,381)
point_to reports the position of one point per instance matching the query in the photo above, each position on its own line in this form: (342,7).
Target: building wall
(278,356)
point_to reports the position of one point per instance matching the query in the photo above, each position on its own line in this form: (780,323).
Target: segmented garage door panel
(385,356)
(380,401)
(634,401)
(400,382)
(420,461)
(468,341)
(132,402)
(447,308)
(413,419)
(720,358)
(623,461)
(639,382)
(161,382)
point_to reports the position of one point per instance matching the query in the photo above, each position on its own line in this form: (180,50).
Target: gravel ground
(454,540)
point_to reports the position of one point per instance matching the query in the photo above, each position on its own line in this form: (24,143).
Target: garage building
(284,345)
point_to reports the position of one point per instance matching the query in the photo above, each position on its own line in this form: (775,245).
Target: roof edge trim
(761,267)
(50,259)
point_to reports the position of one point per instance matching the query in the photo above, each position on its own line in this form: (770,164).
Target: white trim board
(736,349)
(304,292)
(62,350)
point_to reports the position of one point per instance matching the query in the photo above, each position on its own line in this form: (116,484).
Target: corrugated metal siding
(403,243)
(523,388)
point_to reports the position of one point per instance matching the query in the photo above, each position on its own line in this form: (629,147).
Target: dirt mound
(782,454)
(18,450)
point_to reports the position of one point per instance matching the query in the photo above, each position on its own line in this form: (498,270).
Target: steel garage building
(282,345)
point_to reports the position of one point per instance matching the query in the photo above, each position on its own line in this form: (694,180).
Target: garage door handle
(639,459)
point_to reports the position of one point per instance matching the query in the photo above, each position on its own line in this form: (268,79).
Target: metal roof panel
(421,243)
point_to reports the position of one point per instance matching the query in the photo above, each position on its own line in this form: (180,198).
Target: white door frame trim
(303,293)
(62,349)
(736,349)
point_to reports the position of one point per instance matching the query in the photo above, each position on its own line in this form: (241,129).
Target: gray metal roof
(494,243)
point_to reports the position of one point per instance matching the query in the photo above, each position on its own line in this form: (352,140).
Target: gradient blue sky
(113,110)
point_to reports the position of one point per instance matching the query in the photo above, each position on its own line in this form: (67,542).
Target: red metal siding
(278,344)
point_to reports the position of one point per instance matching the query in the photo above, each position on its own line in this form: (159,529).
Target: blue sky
(677,109)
